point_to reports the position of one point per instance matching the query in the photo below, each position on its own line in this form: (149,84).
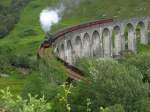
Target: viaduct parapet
(103,38)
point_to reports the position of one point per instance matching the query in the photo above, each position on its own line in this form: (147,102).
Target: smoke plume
(49,16)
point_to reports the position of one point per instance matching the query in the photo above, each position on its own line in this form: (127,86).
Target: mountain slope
(25,38)
(89,10)
(28,33)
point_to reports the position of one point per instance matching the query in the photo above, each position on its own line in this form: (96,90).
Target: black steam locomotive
(48,41)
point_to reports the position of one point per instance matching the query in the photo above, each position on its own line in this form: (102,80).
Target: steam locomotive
(74,73)
(47,43)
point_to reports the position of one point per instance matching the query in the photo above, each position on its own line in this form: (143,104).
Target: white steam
(49,17)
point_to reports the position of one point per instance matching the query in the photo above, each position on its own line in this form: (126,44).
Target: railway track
(73,72)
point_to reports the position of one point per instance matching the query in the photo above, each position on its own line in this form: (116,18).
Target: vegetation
(9,15)
(112,83)
(19,105)
(112,86)
(99,9)
(8,103)
(141,62)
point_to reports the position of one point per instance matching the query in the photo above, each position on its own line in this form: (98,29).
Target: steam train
(47,43)
(50,39)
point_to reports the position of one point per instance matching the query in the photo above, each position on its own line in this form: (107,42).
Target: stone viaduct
(103,38)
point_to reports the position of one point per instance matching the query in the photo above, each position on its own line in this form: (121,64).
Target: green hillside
(26,36)
(23,73)
(6,2)
(21,44)
(28,33)
(97,9)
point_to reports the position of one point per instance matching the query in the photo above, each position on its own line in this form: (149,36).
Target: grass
(87,11)
(97,9)
(14,85)
(5,2)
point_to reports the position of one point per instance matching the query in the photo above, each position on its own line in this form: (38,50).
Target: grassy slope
(88,10)
(29,20)
(24,45)
(14,85)
(96,9)
(5,2)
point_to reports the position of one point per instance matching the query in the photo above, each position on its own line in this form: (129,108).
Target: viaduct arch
(103,38)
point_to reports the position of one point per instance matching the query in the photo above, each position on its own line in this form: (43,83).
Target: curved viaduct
(103,38)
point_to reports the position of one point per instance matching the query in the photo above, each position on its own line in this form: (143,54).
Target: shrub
(60,103)
(111,83)
(13,103)
(115,108)
(23,62)
(20,61)
(46,80)
(142,62)
(5,54)
(126,53)
(9,15)
(34,86)
(52,71)
(83,66)
(27,32)
(9,58)
(38,86)
(3,61)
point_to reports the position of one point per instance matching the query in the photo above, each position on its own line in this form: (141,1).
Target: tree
(111,83)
